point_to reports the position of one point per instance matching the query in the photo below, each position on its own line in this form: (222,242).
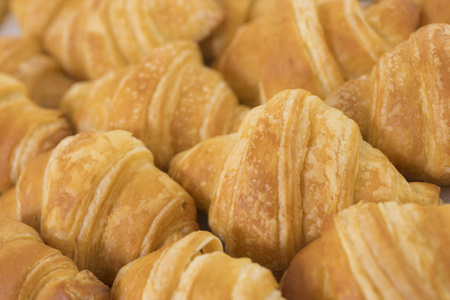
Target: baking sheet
(9,27)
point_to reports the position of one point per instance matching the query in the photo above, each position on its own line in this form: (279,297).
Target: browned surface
(26,130)
(169,100)
(98,198)
(237,13)
(92,37)
(194,268)
(33,270)
(293,162)
(314,45)
(24,59)
(403,105)
(435,11)
(376,251)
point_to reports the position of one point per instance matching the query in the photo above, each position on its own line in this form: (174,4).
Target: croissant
(435,11)
(409,120)
(376,251)
(194,268)
(170,101)
(91,37)
(294,161)
(32,270)
(23,59)
(313,45)
(98,198)
(26,130)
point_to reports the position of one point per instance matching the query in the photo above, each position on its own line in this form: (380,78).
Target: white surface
(10,28)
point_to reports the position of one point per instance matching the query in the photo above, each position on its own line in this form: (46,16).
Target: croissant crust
(293,162)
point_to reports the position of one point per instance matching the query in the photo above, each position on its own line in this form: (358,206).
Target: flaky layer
(313,45)
(98,198)
(194,268)
(293,162)
(376,251)
(403,107)
(90,38)
(169,100)
(33,270)
(26,130)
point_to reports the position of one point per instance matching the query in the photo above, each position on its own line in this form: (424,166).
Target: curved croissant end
(32,270)
(26,130)
(402,106)
(194,268)
(376,251)
(24,59)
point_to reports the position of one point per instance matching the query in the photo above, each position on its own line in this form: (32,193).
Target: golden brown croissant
(376,251)
(23,59)
(435,11)
(170,101)
(91,37)
(403,105)
(314,45)
(32,270)
(25,130)
(294,161)
(98,198)
(194,268)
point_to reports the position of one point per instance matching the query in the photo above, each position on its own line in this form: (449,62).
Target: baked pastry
(32,270)
(25,130)
(435,11)
(293,162)
(169,100)
(24,59)
(403,105)
(91,37)
(194,268)
(313,45)
(237,13)
(98,198)
(376,251)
